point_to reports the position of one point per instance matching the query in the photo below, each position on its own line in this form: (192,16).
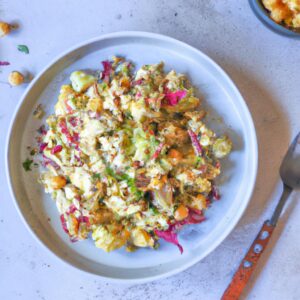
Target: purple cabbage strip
(4,63)
(107,70)
(174,97)
(56,149)
(195,142)
(170,236)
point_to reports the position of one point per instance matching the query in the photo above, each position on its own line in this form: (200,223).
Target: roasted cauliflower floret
(81,81)
(110,237)
(222,147)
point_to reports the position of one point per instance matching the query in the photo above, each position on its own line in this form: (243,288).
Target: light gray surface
(263,65)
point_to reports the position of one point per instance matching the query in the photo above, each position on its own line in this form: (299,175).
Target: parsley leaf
(23,48)
(27,164)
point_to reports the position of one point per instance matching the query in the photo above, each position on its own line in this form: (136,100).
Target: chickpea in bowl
(281,16)
(285,12)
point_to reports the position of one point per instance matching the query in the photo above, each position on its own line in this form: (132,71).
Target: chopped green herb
(102,86)
(130,182)
(154,209)
(128,115)
(23,48)
(27,164)
(199,161)
(125,69)
(68,179)
(96,176)
(110,172)
(32,152)
(156,246)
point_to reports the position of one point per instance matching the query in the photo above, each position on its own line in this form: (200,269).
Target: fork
(290,176)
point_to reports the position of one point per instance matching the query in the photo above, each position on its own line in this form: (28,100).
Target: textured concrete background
(265,68)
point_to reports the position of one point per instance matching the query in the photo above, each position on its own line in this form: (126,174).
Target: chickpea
(102,216)
(15,78)
(4,29)
(175,156)
(125,83)
(101,186)
(199,202)
(181,212)
(58,182)
(141,238)
(95,104)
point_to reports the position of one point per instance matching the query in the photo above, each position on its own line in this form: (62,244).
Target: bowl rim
(263,16)
(250,128)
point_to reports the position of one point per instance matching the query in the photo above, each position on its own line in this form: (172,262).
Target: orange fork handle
(246,268)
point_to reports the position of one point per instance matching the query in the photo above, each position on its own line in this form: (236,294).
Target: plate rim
(250,128)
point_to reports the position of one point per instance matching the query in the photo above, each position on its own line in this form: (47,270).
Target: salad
(128,158)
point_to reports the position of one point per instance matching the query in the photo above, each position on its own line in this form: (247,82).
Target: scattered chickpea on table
(15,78)
(5,29)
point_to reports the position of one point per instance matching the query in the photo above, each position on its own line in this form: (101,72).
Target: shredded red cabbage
(4,63)
(75,137)
(63,125)
(215,193)
(56,149)
(42,147)
(107,70)
(194,217)
(203,168)
(138,82)
(64,223)
(48,161)
(73,121)
(77,197)
(157,151)
(78,159)
(81,219)
(195,142)
(71,209)
(68,107)
(42,130)
(84,219)
(64,129)
(170,236)
(174,97)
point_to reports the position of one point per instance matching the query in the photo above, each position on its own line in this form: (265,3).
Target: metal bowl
(263,15)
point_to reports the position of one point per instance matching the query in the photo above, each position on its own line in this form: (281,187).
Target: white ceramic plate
(236,184)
